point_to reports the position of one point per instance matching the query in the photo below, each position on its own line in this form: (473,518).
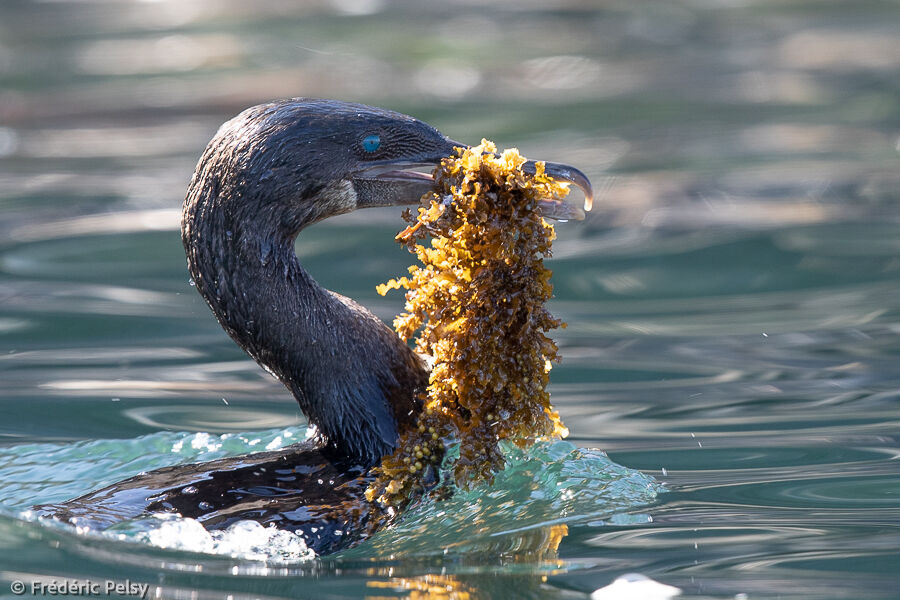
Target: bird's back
(304,489)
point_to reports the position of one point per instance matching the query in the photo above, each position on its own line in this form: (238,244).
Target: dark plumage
(268,173)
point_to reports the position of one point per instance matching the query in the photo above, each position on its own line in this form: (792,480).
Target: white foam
(247,540)
(634,585)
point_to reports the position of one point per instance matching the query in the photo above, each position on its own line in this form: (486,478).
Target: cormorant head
(308,159)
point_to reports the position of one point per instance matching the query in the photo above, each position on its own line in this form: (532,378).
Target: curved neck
(355,380)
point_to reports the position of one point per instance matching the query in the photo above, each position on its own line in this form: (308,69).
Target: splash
(246,540)
(541,491)
(551,485)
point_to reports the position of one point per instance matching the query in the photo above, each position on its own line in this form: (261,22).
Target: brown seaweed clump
(478,298)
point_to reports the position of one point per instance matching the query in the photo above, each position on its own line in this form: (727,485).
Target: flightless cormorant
(268,173)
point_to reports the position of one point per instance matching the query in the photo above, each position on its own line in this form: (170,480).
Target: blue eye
(370,143)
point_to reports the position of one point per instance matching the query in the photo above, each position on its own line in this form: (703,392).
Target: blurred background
(733,307)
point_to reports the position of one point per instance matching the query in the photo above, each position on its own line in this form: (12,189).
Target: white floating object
(634,586)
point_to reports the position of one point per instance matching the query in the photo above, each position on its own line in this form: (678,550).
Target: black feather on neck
(355,380)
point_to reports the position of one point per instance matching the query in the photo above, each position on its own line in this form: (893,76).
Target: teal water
(545,489)
(733,301)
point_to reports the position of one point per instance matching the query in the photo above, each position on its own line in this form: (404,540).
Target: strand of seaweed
(478,301)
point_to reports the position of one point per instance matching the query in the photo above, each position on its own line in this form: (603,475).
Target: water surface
(733,301)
